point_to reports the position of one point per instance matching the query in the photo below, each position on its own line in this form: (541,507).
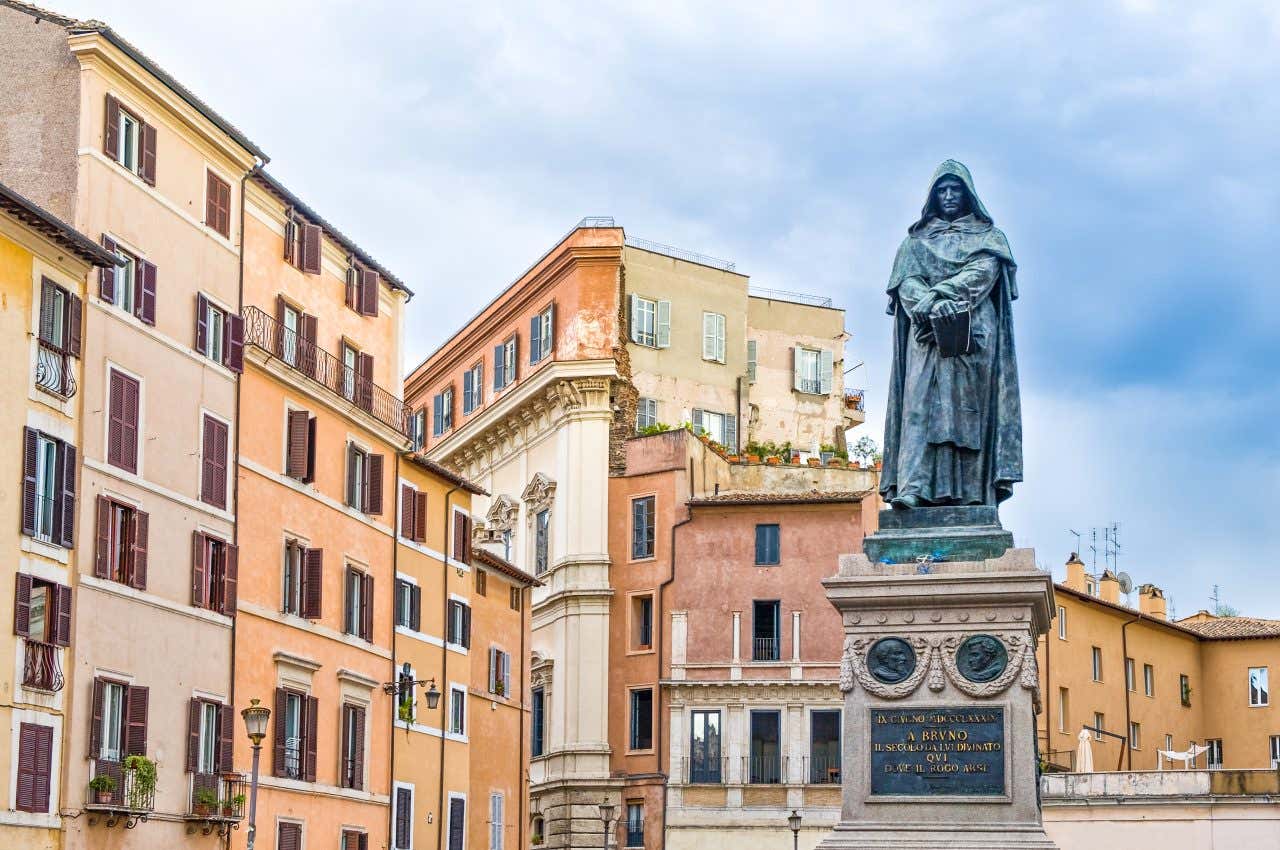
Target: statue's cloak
(934,251)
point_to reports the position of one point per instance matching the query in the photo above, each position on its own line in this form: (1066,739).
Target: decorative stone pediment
(540,493)
(540,668)
(504,511)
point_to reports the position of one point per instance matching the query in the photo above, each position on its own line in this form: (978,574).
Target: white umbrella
(1084,753)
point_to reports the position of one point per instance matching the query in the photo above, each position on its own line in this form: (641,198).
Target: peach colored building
(44,264)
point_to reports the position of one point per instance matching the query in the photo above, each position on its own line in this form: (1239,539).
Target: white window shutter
(664,324)
(751,361)
(731,432)
(826,370)
(719,338)
(697,422)
(493,670)
(506,674)
(633,307)
(797,367)
(708,336)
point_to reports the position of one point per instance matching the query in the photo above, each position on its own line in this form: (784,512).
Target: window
(1168,742)
(499,672)
(1215,753)
(824,747)
(646,413)
(704,747)
(541,540)
(1064,709)
(765,637)
(41,613)
(217,204)
(766,752)
(713,337)
(457,823)
(302,243)
(642,527)
(122,421)
(1099,724)
(813,370)
(767,544)
(635,824)
(119,726)
(459,625)
(1129,677)
(542,334)
(352,775)
(214,569)
(213,463)
(130,286)
(362,289)
(1148,680)
(538,831)
(408,605)
(472,388)
(1259,692)
(129,148)
(364,480)
(1062,623)
(206,758)
(461,537)
(121,551)
(482,583)
(289,836)
(1135,736)
(418,429)
(722,428)
(751,361)
(457,711)
(537,721)
(295,722)
(35,761)
(642,622)
(350,363)
(644,321)
(358,611)
(1097,664)
(219,334)
(291,325)
(442,412)
(496,825)
(300,446)
(1275,751)
(504,364)
(59,335)
(213,321)
(354,839)
(641,719)
(403,837)
(1184,689)
(515,598)
(111,730)
(48,488)
(1091,586)
(130,141)
(413,514)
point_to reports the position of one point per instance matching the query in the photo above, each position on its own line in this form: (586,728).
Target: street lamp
(406,683)
(606,815)
(794,822)
(255,723)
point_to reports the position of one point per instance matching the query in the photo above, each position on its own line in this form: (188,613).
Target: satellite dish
(1126,583)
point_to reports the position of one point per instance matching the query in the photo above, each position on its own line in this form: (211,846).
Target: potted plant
(773,460)
(752,457)
(204,801)
(235,804)
(499,688)
(144,781)
(102,787)
(815,461)
(404,711)
(734,458)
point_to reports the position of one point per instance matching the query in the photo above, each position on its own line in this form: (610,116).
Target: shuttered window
(130,141)
(358,609)
(35,764)
(213,468)
(48,488)
(504,363)
(413,514)
(219,334)
(119,726)
(814,370)
(713,337)
(542,334)
(299,455)
(442,412)
(403,838)
(408,605)
(59,333)
(120,552)
(767,544)
(295,722)
(354,839)
(751,361)
(496,825)
(217,204)
(41,610)
(130,286)
(210,731)
(461,537)
(214,573)
(642,527)
(472,388)
(123,405)
(499,672)
(362,288)
(459,625)
(364,480)
(646,413)
(722,428)
(302,243)
(457,711)
(352,774)
(288,836)
(457,823)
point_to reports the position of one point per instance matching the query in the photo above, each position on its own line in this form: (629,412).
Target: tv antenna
(1126,583)
(1111,546)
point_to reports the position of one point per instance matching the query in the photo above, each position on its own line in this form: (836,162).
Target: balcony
(53,371)
(823,768)
(318,365)
(121,792)
(705,770)
(855,400)
(764,649)
(216,803)
(765,768)
(42,669)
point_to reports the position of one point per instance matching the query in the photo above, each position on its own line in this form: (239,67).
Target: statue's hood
(951,168)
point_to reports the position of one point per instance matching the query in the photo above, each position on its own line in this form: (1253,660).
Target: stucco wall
(1224,692)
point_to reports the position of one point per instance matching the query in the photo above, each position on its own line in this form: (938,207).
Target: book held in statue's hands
(953,334)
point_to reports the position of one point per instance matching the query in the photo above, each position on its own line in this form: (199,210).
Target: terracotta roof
(76,27)
(1124,610)
(54,228)
(773,497)
(1234,628)
(444,472)
(507,568)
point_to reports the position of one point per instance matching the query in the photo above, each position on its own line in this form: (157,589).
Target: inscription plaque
(956,751)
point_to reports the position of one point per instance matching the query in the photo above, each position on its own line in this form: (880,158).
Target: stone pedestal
(941,694)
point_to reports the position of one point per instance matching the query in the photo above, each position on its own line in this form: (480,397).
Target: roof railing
(793,297)
(682,254)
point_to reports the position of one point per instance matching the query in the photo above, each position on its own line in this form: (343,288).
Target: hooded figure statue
(953,429)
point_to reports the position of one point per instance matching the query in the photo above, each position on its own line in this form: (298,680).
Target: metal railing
(765,769)
(53,371)
(764,649)
(41,670)
(681,254)
(46,508)
(705,771)
(793,297)
(823,768)
(215,797)
(305,356)
(125,794)
(1059,761)
(855,399)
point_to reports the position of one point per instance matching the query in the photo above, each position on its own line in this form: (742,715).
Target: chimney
(1109,588)
(1075,574)
(1151,602)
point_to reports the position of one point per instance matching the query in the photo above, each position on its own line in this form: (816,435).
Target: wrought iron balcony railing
(53,371)
(41,670)
(305,356)
(765,769)
(126,793)
(217,797)
(855,399)
(705,770)
(764,649)
(823,768)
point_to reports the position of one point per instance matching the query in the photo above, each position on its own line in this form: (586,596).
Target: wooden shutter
(66,507)
(308,356)
(213,483)
(288,836)
(366,606)
(147,135)
(95,718)
(233,343)
(826,368)
(311,452)
(493,670)
(499,367)
(312,717)
(351,477)
(373,493)
(62,621)
(731,432)
(230,579)
(35,762)
(357,766)
(457,822)
(311,243)
(111,134)
(368,292)
(364,380)
(217,210)
(415,608)
(506,674)
(202,324)
(199,569)
(136,722)
(312,582)
(407,503)
(138,557)
(30,460)
(450,629)
(117,422)
(22,606)
(459,535)
(466,626)
(147,294)
(663,326)
(226,738)
(535,339)
(404,818)
(75,311)
(353,284)
(107,274)
(420,517)
(797,379)
(130,413)
(278,734)
(102,546)
(299,432)
(211,200)
(193,734)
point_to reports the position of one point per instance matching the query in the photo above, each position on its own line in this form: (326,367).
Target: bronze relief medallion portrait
(890,660)
(981,658)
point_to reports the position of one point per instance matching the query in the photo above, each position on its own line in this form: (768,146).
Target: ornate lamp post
(256,718)
(793,821)
(606,815)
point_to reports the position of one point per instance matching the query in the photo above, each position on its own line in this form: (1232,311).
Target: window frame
(1099,722)
(809,370)
(646,310)
(1260,696)
(541,541)
(777,630)
(473,399)
(1149,680)
(1096,661)
(646,413)
(457,710)
(1135,735)
(537,721)
(644,537)
(838,748)
(715,335)
(635,824)
(635,741)
(129,141)
(777,544)
(712,770)
(1062,622)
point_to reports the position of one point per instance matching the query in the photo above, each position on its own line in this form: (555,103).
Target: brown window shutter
(311,245)
(290,238)
(357,769)
(75,313)
(233,343)
(288,835)
(116,424)
(312,582)
(374,492)
(311,452)
(459,534)
(102,547)
(199,568)
(111,135)
(366,607)
(62,621)
(148,171)
(353,283)
(364,380)
(278,734)
(147,294)
(312,717)
(230,580)
(95,719)
(281,306)
(308,357)
(138,565)
(213,479)
(368,292)
(466,626)
(22,606)
(404,818)
(217,204)
(193,735)
(35,765)
(420,517)
(295,464)
(136,712)
(107,274)
(29,463)
(226,738)
(202,329)
(351,477)
(130,412)
(66,507)
(466,539)
(211,199)
(415,608)
(407,502)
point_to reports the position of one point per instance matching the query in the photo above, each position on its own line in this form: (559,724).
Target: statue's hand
(924,333)
(944,309)
(920,312)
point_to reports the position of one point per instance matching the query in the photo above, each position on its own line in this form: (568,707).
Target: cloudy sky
(1130,150)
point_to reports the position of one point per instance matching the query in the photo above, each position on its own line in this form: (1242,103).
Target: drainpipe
(395,677)
(660,616)
(1124,648)
(521,774)
(235,463)
(444,670)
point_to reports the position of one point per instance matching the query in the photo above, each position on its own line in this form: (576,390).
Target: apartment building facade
(44,267)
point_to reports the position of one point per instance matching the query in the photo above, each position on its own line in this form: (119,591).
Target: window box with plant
(103,787)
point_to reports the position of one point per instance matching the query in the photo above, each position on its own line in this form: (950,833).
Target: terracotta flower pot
(753,458)
(814,461)
(773,460)
(733,458)
(103,796)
